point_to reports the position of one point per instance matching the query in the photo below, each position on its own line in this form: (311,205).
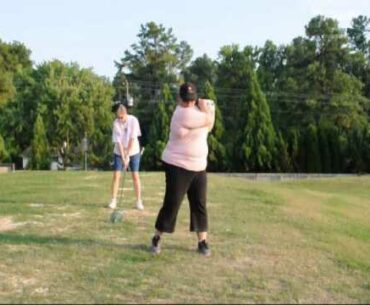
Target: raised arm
(196,119)
(208,107)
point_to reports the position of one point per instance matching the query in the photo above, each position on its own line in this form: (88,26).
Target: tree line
(299,107)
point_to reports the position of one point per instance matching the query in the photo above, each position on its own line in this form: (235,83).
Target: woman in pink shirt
(185,160)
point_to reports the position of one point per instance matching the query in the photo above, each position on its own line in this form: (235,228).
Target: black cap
(188,92)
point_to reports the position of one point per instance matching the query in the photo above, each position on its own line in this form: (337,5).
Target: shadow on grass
(31,239)
(9,201)
(82,203)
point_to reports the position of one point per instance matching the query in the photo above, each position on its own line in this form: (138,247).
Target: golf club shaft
(122,185)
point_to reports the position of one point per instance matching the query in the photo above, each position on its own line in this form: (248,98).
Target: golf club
(122,186)
(117,216)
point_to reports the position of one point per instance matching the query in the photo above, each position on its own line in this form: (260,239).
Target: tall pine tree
(357,149)
(3,152)
(256,145)
(293,140)
(326,160)
(40,150)
(217,152)
(312,152)
(159,130)
(282,161)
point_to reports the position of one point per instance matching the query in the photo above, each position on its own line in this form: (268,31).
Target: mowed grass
(272,242)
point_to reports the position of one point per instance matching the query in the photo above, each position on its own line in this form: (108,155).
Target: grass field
(281,242)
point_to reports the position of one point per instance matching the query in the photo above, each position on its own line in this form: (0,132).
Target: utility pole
(129,98)
(85,147)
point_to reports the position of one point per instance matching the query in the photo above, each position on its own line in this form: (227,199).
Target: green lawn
(296,242)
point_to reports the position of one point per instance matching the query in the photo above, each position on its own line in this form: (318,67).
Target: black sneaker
(156,247)
(203,248)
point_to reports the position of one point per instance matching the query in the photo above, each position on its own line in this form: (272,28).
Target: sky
(95,33)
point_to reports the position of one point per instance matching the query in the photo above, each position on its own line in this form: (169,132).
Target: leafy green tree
(291,96)
(270,66)
(156,59)
(320,80)
(18,116)
(330,42)
(7,89)
(347,104)
(40,148)
(269,71)
(338,143)
(357,34)
(338,94)
(358,63)
(233,73)
(358,149)
(233,69)
(3,152)
(14,57)
(312,68)
(316,95)
(366,148)
(202,70)
(73,102)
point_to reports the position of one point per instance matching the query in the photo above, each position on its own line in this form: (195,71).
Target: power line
(232,92)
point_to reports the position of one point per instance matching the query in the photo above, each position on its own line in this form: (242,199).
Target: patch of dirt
(41,290)
(74,215)
(136,213)
(7,224)
(16,248)
(17,283)
(36,205)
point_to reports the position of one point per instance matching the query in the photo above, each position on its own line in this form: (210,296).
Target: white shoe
(113,204)
(139,205)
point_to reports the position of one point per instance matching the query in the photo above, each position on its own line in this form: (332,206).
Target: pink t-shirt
(187,145)
(124,131)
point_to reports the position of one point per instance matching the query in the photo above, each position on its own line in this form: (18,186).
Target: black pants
(179,182)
